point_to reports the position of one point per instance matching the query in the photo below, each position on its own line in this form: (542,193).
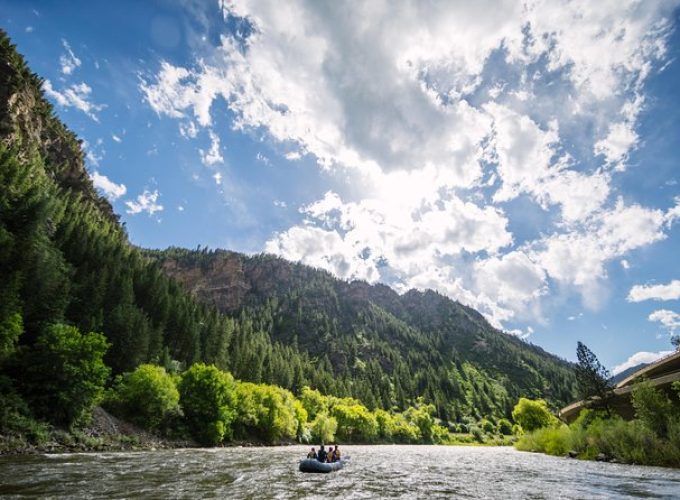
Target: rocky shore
(104,433)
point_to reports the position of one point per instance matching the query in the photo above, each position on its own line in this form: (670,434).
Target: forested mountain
(66,259)
(383,348)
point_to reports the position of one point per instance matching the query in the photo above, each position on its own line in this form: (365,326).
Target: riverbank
(105,432)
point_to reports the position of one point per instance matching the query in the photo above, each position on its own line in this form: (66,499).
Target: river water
(373,472)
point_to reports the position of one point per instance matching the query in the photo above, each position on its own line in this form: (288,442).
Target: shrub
(323,428)
(487,426)
(64,374)
(652,407)
(207,396)
(355,422)
(145,396)
(267,411)
(505,427)
(533,414)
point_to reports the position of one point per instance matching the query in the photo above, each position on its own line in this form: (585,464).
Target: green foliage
(355,423)
(533,414)
(15,416)
(313,402)
(208,399)
(145,396)
(422,417)
(63,374)
(653,438)
(592,378)
(487,426)
(652,407)
(267,412)
(323,428)
(11,327)
(505,427)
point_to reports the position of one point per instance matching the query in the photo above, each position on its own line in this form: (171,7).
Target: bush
(487,426)
(505,427)
(267,412)
(652,407)
(355,422)
(146,396)
(16,418)
(64,374)
(533,414)
(207,396)
(323,428)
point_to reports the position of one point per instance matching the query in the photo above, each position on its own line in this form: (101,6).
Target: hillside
(66,259)
(419,343)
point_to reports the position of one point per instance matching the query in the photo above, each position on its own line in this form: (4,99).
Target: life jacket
(336,455)
(311,454)
(321,456)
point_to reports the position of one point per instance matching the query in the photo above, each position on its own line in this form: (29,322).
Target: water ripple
(407,472)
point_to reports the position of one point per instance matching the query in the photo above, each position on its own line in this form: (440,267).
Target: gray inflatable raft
(313,465)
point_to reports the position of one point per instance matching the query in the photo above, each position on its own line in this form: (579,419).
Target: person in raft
(312,453)
(336,454)
(330,458)
(322,455)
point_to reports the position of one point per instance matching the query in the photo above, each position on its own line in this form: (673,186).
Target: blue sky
(519,157)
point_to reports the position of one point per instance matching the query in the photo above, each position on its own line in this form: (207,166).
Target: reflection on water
(374,471)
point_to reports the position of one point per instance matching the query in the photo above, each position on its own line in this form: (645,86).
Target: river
(373,472)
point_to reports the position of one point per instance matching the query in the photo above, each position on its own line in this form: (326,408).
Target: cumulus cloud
(110,189)
(69,62)
(578,258)
(145,202)
(619,141)
(639,293)
(401,99)
(77,95)
(639,358)
(670,320)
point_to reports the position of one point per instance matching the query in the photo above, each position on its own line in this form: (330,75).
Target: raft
(313,465)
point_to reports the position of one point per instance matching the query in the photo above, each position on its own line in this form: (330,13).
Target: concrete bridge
(661,374)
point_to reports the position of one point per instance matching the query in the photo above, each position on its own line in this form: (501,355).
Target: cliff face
(28,125)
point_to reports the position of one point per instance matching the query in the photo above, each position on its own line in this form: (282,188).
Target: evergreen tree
(594,381)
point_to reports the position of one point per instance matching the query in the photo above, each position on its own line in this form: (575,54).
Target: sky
(519,157)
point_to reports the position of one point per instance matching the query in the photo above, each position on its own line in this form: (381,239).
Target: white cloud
(394,99)
(213,156)
(668,319)
(178,89)
(69,62)
(77,96)
(218,178)
(188,130)
(639,358)
(262,158)
(110,189)
(671,291)
(578,258)
(116,138)
(145,202)
(529,162)
(615,147)
(625,264)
